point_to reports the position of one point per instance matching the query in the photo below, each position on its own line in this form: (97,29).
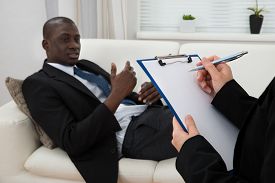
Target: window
(218,16)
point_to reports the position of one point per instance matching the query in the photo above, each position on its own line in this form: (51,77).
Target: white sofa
(24,160)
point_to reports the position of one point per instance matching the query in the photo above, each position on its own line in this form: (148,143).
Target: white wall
(20,34)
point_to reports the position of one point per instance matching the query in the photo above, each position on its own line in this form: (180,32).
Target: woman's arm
(234,103)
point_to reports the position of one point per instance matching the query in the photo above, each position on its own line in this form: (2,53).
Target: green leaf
(188,17)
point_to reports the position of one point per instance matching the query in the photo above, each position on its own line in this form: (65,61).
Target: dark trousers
(149,135)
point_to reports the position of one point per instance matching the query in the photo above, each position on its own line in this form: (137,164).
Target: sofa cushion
(18,139)
(136,171)
(52,163)
(56,163)
(15,89)
(166,172)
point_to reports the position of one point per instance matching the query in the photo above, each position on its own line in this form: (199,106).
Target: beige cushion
(56,163)
(166,172)
(53,163)
(15,89)
(136,170)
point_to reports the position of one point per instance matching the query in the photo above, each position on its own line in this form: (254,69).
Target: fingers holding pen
(213,78)
(204,80)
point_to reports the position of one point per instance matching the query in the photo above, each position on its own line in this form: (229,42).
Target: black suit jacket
(254,156)
(76,120)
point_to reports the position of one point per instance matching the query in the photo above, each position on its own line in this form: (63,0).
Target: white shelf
(270,38)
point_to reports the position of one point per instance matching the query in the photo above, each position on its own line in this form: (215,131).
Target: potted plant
(256,19)
(187,23)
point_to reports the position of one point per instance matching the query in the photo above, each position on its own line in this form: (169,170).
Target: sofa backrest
(104,52)
(253,71)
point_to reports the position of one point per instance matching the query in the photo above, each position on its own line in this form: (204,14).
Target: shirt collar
(67,69)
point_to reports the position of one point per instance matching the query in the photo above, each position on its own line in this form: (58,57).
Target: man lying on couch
(93,115)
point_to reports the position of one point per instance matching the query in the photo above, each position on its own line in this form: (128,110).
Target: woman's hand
(179,135)
(213,78)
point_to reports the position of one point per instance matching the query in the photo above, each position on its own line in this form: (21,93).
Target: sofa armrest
(18,139)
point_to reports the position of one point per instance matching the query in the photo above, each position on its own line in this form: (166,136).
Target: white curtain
(66,8)
(111,19)
(51,8)
(87,12)
(104,19)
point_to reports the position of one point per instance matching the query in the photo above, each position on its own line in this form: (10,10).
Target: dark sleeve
(49,110)
(198,161)
(233,102)
(268,166)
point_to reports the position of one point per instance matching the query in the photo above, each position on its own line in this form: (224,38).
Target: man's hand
(148,93)
(179,135)
(124,82)
(122,85)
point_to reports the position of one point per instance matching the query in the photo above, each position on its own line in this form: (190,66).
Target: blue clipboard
(172,78)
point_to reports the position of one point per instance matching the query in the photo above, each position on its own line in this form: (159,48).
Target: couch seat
(55,163)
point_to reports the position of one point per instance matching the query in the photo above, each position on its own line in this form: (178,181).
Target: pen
(224,59)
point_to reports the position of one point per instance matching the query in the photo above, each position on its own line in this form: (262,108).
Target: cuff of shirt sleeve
(189,145)
(225,92)
(185,155)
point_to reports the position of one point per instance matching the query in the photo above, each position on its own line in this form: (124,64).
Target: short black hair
(53,21)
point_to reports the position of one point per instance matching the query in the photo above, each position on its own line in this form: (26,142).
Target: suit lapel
(66,78)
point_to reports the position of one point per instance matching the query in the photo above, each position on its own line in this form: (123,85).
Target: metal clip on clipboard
(162,63)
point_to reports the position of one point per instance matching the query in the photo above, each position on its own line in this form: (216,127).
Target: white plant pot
(187,26)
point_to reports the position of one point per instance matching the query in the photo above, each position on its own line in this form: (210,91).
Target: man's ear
(45,45)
